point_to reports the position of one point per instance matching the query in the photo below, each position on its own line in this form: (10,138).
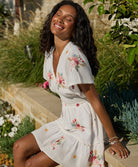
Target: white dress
(76,138)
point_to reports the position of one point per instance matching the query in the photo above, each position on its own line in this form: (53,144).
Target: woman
(76,138)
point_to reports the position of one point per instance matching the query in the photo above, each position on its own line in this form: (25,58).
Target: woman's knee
(25,146)
(18,148)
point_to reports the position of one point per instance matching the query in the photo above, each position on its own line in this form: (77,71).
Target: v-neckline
(55,72)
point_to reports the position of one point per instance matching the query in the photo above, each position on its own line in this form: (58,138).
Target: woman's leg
(40,160)
(24,150)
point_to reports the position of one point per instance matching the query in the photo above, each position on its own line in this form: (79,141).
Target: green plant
(129,119)
(9,125)
(124,14)
(3,15)
(16,63)
(6,143)
(12,128)
(119,103)
(114,67)
(5,108)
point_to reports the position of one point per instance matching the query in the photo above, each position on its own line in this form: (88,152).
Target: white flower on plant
(14,129)
(5,134)
(1,121)
(8,115)
(15,120)
(11,120)
(11,134)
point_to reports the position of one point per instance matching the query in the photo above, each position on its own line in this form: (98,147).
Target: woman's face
(63,22)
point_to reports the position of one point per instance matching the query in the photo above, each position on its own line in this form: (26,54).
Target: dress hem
(47,151)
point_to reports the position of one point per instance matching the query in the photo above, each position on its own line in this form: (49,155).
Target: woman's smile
(58,26)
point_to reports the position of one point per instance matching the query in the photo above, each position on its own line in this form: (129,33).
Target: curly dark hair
(82,37)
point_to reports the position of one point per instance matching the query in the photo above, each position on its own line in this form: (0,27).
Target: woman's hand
(119,149)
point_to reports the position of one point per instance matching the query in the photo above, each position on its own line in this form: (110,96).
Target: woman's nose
(60,20)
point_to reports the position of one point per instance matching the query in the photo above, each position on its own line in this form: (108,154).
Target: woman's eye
(68,19)
(58,14)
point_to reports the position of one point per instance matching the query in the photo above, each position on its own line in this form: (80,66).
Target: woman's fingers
(111,151)
(119,149)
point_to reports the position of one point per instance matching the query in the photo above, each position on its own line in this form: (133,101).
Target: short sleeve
(77,69)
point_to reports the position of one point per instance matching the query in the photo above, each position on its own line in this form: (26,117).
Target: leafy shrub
(114,67)
(129,119)
(16,64)
(5,108)
(6,143)
(12,128)
(9,125)
(120,105)
(124,14)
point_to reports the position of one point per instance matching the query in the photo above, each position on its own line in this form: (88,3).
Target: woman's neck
(59,45)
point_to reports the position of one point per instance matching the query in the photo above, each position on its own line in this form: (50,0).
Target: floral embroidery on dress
(76,61)
(58,142)
(95,160)
(50,75)
(77,125)
(60,80)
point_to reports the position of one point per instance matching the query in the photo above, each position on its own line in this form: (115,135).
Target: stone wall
(33,101)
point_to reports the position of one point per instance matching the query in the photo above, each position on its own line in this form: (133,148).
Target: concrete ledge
(44,107)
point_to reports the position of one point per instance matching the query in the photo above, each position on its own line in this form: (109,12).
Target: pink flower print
(72,64)
(58,142)
(75,120)
(77,125)
(76,62)
(95,159)
(50,76)
(60,80)
(45,84)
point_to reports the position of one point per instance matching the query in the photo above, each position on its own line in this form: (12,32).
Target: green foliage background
(15,66)
(122,31)
(114,67)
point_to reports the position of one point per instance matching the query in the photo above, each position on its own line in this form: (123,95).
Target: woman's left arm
(93,97)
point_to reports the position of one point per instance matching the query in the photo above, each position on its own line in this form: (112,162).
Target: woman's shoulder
(76,51)
(75,48)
